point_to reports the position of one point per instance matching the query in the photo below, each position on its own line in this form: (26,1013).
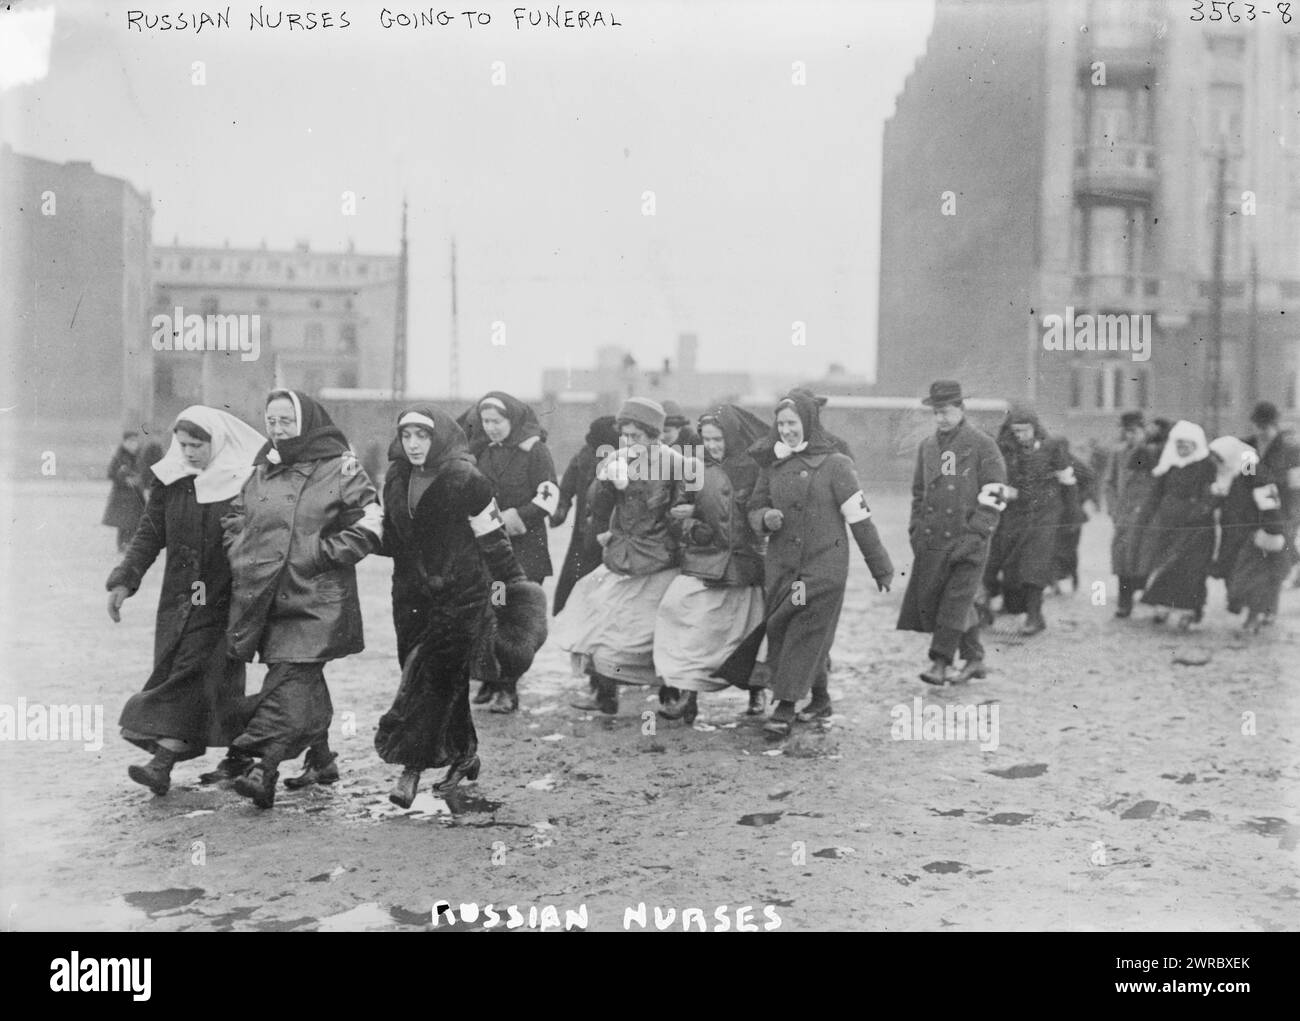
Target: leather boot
(971,669)
(818,708)
(465,769)
(685,708)
(484,695)
(403,793)
(259,784)
(320,766)
(505,699)
(935,673)
(781,719)
(233,766)
(757,702)
(1034,622)
(156,774)
(605,700)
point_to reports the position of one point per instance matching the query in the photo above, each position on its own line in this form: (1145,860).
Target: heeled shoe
(321,769)
(403,793)
(757,702)
(465,769)
(259,784)
(156,774)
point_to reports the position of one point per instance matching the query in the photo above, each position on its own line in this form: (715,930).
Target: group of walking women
(262,536)
(1186,510)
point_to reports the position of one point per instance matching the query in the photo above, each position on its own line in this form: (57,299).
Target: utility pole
(454,375)
(399,338)
(1252,334)
(1216,298)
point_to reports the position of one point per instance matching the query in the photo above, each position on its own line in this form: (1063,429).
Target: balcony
(1122,170)
(1130,292)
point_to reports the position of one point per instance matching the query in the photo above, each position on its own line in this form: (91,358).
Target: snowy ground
(1126,791)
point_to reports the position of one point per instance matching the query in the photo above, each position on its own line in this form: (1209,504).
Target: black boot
(1125,607)
(485,693)
(606,698)
(1034,622)
(403,793)
(506,698)
(259,784)
(234,765)
(465,769)
(818,707)
(685,708)
(320,766)
(157,773)
(757,702)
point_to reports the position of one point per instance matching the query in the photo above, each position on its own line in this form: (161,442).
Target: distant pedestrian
(1178,527)
(193,697)
(957,494)
(1128,487)
(305,517)
(1021,562)
(1252,556)
(126,499)
(678,434)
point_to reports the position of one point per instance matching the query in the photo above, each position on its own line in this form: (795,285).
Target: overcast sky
(767,194)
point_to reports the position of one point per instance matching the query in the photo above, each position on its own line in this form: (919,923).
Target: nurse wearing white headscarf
(192,698)
(1178,526)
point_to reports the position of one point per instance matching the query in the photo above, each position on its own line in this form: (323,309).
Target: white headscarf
(1234,456)
(234,445)
(1169,457)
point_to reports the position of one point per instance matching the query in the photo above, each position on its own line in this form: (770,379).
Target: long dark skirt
(430,724)
(1022,555)
(583,557)
(1256,579)
(292,712)
(195,694)
(1180,562)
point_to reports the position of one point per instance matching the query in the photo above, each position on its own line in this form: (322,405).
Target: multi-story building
(1061,158)
(323,319)
(74,259)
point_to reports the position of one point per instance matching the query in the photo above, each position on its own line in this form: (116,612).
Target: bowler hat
(943,391)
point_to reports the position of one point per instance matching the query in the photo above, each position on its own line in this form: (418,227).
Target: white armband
(372,520)
(1267,497)
(991,496)
(855,508)
(548,497)
(1066,476)
(486,520)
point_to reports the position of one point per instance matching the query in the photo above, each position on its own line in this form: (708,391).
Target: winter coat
(126,500)
(807,564)
(1281,462)
(1023,552)
(955,508)
(1129,485)
(584,553)
(293,535)
(643,538)
(1178,537)
(523,478)
(719,545)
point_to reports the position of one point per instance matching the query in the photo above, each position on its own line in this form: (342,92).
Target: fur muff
(521,627)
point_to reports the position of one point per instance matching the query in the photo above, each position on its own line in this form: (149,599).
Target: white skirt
(698,627)
(608,624)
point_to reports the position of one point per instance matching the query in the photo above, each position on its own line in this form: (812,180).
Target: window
(263,301)
(186,263)
(1225,111)
(314,336)
(348,337)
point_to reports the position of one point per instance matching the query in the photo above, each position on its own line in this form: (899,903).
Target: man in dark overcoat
(957,494)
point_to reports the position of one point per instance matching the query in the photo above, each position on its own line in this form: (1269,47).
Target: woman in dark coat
(1021,559)
(608,626)
(1074,515)
(1252,558)
(126,500)
(1129,485)
(579,477)
(805,495)
(717,600)
(450,552)
(192,698)
(305,517)
(1178,527)
(509,445)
